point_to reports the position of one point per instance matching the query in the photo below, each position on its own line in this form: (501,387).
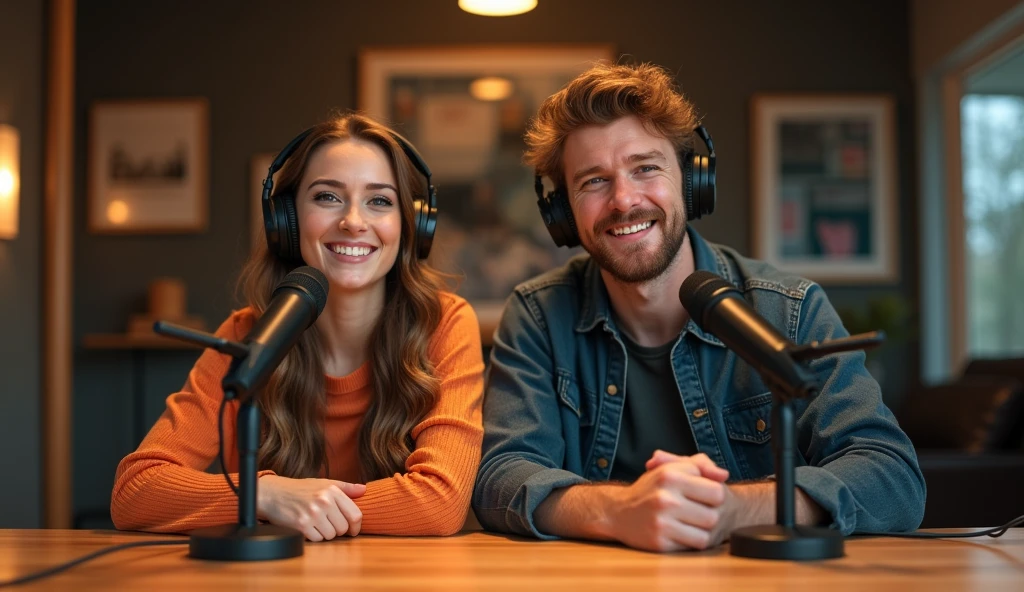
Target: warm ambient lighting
(497,7)
(117,212)
(10,178)
(490,88)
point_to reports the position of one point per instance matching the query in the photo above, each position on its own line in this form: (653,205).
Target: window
(992,140)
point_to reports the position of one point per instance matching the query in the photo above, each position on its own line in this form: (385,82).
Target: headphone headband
(282,156)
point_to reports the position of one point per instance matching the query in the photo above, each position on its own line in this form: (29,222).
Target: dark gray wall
(268,72)
(939,28)
(21,105)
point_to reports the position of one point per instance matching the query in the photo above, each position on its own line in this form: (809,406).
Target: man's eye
(647,168)
(593,181)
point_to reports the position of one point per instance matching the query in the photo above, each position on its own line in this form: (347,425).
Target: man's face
(625,188)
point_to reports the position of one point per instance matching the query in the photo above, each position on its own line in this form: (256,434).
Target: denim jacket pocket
(748,424)
(579,401)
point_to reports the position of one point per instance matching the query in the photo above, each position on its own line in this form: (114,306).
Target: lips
(625,224)
(350,250)
(631,229)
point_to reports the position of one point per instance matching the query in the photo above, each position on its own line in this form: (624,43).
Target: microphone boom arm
(224,346)
(294,305)
(720,308)
(785,539)
(818,349)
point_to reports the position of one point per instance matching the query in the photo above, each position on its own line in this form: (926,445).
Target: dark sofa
(969,436)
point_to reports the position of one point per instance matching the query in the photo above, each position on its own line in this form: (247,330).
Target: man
(609,414)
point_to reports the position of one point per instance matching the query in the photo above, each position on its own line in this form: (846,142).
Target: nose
(353,221)
(624,196)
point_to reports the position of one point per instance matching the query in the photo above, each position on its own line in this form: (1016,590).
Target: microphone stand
(246,540)
(785,539)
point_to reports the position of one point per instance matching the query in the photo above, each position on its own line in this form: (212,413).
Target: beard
(636,264)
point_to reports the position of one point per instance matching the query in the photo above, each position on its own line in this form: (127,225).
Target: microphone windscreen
(698,291)
(310,281)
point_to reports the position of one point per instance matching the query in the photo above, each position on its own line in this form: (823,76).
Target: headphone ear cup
(426,224)
(286,221)
(687,160)
(698,185)
(292,236)
(703,186)
(557,215)
(270,227)
(559,219)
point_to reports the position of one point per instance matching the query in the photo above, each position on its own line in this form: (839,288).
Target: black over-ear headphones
(698,194)
(281,222)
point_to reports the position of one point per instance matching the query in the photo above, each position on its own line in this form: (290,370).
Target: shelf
(134,341)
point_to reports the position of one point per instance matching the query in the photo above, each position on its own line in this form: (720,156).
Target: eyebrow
(652,155)
(641,157)
(340,185)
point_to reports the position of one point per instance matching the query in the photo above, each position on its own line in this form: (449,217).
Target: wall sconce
(10,181)
(497,7)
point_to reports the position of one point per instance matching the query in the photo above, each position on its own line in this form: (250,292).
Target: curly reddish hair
(599,96)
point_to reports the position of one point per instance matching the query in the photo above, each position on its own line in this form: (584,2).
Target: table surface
(481,561)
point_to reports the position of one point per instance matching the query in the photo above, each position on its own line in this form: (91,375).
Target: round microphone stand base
(234,542)
(772,541)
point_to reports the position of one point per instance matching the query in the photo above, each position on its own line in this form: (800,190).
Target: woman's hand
(320,509)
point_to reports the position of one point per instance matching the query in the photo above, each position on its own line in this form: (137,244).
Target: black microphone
(296,302)
(719,308)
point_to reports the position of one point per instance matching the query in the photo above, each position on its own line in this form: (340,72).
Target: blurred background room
(874,146)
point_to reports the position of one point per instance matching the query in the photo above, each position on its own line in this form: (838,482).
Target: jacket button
(700,413)
(760,425)
(602,463)
(612,390)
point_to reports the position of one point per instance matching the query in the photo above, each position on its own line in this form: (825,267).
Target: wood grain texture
(58,231)
(481,561)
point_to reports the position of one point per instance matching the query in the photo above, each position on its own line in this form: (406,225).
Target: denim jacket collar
(597,307)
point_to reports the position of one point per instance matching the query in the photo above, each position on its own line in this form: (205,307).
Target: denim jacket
(556,383)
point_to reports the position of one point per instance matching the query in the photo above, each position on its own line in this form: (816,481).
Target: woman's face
(350,224)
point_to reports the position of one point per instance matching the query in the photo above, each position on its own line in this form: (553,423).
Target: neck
(650,312)
(345,327)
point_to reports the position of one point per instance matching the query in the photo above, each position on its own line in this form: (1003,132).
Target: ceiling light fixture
(497,7)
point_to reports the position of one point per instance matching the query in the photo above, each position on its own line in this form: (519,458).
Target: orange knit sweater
(163,486)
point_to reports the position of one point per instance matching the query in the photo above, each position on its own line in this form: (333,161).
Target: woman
(372,422)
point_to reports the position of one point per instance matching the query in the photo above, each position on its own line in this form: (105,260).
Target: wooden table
(479,561)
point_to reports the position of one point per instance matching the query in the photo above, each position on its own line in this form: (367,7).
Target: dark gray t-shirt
(653,416)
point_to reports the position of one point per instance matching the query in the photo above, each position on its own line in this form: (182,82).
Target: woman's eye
(325,196)
(381,201)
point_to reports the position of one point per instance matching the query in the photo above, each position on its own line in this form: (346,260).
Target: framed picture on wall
(466,110)
(824,186)
(147,166)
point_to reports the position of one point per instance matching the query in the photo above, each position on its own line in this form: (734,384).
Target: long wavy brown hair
(293,403)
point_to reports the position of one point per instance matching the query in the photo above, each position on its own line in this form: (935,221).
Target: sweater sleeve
(163,486)
(432,497)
